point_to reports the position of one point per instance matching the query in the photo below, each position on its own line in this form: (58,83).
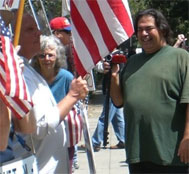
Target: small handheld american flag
(13,88)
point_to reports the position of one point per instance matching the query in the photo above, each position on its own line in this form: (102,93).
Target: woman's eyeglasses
(42,56)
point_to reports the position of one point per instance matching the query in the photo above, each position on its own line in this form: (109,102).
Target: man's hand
(79,88)
(114,68)
(183,151)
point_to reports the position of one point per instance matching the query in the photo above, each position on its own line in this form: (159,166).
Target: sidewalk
(106,161)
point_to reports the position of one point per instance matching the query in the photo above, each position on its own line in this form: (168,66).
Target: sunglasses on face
(42,56)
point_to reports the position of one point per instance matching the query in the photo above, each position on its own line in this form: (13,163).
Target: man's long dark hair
(160,21)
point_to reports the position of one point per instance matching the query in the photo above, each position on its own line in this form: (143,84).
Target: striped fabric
(8,3)
(98,27)
(74,126)
(13,89)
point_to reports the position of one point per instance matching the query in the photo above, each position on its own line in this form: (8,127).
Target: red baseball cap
(60,23)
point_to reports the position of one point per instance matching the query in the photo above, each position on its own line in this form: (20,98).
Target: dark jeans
(148,167)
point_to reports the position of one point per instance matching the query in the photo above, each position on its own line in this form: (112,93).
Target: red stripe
(75,123)
(79,67)
(2,81)
(85,34)
(122,15)
(70,129)
(106,34)
(2,64)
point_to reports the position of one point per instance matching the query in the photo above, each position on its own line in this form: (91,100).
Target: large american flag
(13,89)
(98,27)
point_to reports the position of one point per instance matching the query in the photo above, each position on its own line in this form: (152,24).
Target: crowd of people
(49,138)
(149,106)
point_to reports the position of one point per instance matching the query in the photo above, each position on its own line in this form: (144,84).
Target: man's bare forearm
(4,126)
(26,125)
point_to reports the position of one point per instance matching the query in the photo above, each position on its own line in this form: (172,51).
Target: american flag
(98,27)
(13,89)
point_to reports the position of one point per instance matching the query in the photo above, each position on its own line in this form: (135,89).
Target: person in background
(115,117)
(180,42)
(49,140)
(48,63)
(153,89)
(61,28)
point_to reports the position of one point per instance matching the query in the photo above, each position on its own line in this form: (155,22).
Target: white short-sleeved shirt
(50,137)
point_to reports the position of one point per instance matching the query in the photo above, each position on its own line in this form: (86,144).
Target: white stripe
(82,51)
(15,106)
(88,17)
(78,126)
(126,4)
(112,22)
(2,88)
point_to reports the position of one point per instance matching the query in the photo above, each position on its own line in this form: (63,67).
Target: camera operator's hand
(106,66)
(114,68)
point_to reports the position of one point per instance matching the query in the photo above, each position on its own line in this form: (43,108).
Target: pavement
(107,161)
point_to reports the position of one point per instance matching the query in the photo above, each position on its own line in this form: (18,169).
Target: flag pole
(19,22)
